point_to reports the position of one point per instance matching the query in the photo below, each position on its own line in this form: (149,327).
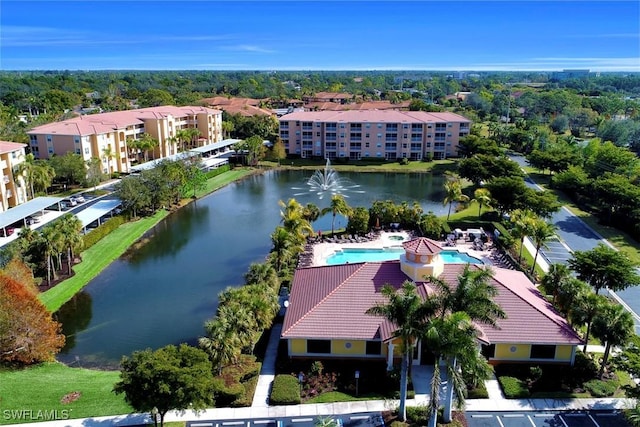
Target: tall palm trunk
(404,381)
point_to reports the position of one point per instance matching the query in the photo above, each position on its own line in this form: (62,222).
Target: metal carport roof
(216,145)
(22,211)
(97,210)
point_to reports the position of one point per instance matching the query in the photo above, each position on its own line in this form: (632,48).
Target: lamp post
(300,379)
(357,379)
(154,414)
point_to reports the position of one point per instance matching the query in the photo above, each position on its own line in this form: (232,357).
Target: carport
(96,211)
(20,212)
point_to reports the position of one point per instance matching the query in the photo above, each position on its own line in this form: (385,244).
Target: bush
(94,236)
(417,415)
(285,391)
(513,388)
(479,392)
(215,172)
(599,388)
(246,399)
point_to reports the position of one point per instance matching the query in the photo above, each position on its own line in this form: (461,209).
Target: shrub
(285,390)
(599,388)
(417,415)
(513,388)
(480,392)
(94,236)
(215,172)
(246,399)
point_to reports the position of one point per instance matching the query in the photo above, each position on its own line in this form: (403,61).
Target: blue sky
(320,35)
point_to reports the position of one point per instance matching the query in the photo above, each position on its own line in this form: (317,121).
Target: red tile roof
(422,246)
(8,147)
(108,122)
(331,301)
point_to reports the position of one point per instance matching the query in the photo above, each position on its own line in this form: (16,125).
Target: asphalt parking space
(556,252)
(545,419)
(347,420)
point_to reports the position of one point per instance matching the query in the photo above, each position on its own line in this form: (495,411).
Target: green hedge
(513,388)
(417,415)
(285,390)
(599,388)
(94,236)
(479,392)
(218,171)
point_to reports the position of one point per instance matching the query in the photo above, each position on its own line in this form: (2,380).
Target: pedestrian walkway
(268,371)
(493,389)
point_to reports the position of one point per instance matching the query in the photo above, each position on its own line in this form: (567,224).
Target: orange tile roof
(330,302)
(422,246)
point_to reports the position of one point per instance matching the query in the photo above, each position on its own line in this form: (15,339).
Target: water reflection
(163,292)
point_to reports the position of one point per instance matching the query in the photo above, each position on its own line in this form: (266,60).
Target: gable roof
(330,302)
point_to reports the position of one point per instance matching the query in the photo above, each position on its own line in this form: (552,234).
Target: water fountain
(327,181)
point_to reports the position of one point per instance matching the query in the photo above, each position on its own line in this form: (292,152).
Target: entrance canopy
(24,210)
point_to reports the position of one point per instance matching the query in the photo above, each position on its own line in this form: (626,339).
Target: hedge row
(513,388)
(232,386)
(285,390)
(105,228)
(218,171)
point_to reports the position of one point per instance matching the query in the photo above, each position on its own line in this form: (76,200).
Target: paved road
(546,419)
(577,236)
(369,419)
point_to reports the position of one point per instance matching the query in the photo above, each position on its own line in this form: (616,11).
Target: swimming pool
(351,255)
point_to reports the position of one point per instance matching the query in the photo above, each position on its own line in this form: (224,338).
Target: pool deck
(389,239)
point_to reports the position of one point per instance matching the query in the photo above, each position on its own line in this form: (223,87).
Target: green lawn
(97,258)
(107,250)
(41,388)
(336,396)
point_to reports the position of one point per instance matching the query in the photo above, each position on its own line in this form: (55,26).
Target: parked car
(30,220)
(80,199)
(7,231)
(71,201)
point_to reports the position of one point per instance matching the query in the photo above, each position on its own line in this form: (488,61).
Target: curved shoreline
(111,247)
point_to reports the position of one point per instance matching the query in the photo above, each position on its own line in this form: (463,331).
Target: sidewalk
(268,371)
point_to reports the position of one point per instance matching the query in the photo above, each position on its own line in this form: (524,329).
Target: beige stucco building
(12,187)
(98,134)
(384,134)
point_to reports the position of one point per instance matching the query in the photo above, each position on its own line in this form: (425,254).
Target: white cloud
(248,48)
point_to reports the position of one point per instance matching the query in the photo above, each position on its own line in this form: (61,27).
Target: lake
(162,292)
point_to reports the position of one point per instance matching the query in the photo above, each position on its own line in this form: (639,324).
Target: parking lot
(546,419)
(346,420)
(556,252)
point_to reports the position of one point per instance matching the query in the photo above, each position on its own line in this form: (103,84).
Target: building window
(543,351)
(488,351)
(374,347)
(86,150)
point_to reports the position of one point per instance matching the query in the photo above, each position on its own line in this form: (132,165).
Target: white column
(390,356)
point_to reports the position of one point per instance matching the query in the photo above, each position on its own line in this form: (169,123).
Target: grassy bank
(42,388)
(107,250)
(97,258)
(436,166)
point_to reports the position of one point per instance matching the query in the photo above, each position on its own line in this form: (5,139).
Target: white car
(80,199)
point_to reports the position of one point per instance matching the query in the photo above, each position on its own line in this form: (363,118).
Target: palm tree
(613,326)
(220,342)
(146,143)
(42,175)
(474,296)
(451,338)
(227,128)
(555,279)
(522,225)
(193,134)
(586,310)
(108,153)
(482,197)
(311,212)
(70,227)
(541,232)
(571,291)
(453,190)
(49,240)
(262,274)
(293,220)
(337,206)
(408,313)
(284,248)
(25,169)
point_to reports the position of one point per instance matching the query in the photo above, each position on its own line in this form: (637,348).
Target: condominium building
(108,136)
(12,187)
(387,134)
